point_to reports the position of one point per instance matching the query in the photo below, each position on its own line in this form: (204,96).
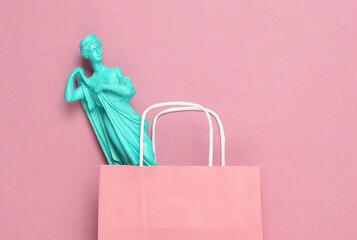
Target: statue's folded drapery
(125,122)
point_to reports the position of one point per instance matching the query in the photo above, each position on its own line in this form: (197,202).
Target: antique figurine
(105,97)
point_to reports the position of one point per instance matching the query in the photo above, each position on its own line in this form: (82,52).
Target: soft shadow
(85,64)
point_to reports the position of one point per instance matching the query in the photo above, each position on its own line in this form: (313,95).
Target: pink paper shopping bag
(180,202)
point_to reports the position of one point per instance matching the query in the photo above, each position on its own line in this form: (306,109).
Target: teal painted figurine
(105,97)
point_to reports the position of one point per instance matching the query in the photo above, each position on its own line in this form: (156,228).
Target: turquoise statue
(105,97)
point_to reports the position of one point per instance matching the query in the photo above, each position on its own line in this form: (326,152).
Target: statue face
(95,53)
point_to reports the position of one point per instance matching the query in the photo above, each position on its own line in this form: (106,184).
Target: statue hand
(127,80)
(78,72)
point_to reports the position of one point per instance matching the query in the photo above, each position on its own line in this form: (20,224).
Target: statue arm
(123,90)
(71,94)
(130,90)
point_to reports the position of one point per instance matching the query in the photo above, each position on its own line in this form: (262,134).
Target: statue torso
(110,76)
(107,77)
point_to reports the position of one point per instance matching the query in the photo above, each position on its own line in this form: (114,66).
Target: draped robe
(124,120)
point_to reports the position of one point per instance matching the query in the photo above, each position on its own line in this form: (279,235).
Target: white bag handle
(210,153)
(178,109)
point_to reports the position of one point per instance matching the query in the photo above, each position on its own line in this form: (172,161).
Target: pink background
(281,75)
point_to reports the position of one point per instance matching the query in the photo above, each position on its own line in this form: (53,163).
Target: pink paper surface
(280,74)
(179,203)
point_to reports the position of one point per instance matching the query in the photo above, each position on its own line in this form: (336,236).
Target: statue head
(91,48)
